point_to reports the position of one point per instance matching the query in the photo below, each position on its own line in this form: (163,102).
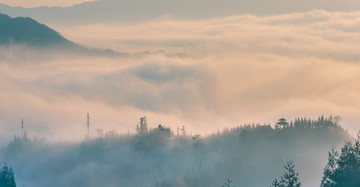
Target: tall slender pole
(22,128)
(88,125)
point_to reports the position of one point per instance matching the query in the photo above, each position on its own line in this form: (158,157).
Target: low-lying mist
(250,155)
(202,74)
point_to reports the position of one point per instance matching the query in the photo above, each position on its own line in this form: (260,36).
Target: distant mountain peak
(26,31)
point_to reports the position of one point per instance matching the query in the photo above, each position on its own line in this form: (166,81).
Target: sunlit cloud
(238,69)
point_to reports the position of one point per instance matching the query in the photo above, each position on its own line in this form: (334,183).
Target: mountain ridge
(27,32)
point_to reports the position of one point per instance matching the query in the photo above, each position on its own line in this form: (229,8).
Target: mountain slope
(26,33)
(24,30)
(4,17)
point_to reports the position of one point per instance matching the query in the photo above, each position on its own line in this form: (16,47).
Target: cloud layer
(236,69)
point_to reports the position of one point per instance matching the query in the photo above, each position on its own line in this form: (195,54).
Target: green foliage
(150,140)
(290,177)
(250,154)
(343,170)
(275,183)
(7,178)
(322,122)
(327,180)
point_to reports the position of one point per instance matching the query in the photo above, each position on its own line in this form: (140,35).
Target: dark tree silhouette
(290,178)
(275,183)
(142,127)
(344,169)
(7,178)
(228,183)
(327,180)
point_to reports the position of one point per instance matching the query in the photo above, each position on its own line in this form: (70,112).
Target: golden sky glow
(237,69)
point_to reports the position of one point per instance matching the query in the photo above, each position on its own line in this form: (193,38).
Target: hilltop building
(282,123)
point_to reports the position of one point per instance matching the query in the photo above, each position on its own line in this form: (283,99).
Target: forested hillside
(249,155)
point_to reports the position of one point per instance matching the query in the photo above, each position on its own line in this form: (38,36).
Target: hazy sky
(135,11)
(38,3)
(239,69)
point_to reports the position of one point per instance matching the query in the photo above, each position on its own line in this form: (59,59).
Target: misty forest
(220,93)
(301,153)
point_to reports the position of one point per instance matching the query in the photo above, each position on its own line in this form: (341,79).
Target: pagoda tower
(282,123)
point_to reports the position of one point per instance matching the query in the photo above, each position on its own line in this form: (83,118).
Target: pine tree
(7,178)
(343,170)
(329,170)
(228,183)
(142,126)
(290,178)
(275,183)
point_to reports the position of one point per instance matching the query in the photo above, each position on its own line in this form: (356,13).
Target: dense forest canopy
(343,169)
(7,178)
